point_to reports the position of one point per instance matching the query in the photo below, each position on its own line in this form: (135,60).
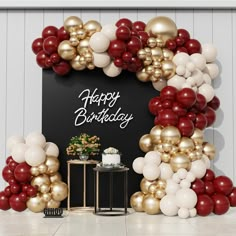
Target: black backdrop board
(127,98)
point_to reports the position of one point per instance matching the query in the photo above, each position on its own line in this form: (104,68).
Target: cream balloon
(198,168)
(159,85)
(111,70)
(99,42)
(101,60)
(168,205)
(14,140)
(171,186)
(166,171)
(207,91)
(35,155)
(186,198)
(209,51)
(18,152)
(110,31)
(183,213)
(138,165)
(212,69)
(181,58)
(176,81)
(199,60)
(151,171)
(152,157)
(51,149)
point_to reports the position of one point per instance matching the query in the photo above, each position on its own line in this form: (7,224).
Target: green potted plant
(84,145)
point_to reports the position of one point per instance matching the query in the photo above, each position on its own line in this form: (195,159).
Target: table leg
(95,192)
(125,190)
(84,192)
(68,182)
(111,190)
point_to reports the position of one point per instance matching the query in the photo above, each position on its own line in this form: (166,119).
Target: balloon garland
(176,167)
(32,174)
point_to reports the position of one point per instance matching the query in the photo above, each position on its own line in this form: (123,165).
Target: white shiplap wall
(21,78)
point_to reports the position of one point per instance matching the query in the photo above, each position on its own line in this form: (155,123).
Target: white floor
(135,224)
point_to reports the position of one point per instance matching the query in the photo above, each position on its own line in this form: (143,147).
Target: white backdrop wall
(21,78)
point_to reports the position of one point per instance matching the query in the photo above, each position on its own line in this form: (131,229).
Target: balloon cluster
(32,175)
(184,109)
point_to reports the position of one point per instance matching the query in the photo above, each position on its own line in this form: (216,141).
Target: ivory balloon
(152,157)
(35,155)
(151,171)
(198,168)
(145,143)
(91,27)
(171,186)
(55,177)
(51,149)
(186,198)
(111,70)
(35,138)
(144,185)
(53,204)
(18,152)
(160,84)
(136,201)
(36,204)
(14,140)
(199,60)
(212,69)
(40,180)
(138,165)
(207,91)
(168,205)
(53,165)
(66,50)
(166,171)
(59,190)
(73,23)
(101,60)
(99,42)
(109,31)
(176,81)
(181,58)
(151,205)
(210,52)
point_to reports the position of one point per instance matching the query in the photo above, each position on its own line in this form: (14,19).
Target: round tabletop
(110,169)
(79,162)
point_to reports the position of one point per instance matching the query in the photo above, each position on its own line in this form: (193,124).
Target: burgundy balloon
(50,44)
(168,93)
(62,68)
(214,103)
(12,165)
(187,97)
(210,115)
(179,41)
(191,115)
(7,191)
(116,48)
(167,104)
(4,202)
(185,126)
(209,176)
(171,44)
(37,45)
(40,59)
(193,46)
(143,37)
(181,49)
(118,62)
(12,180)
(179,109)
(124,22)
(209,188)
(55,58)
(139,26)
(24,187)
(155,105)
(7,173)
(23,197)
(135,64)
(16,204)
(198,186)
(9,159)
(22,172)
(15,188)
(127,57)
(49,31)
(223,184)
(184,34)
(200,121)
(221,203)
(123,33)
(201,102)
(166,117)
(31,191)
(205,205)
(62,34)
(134,45)
(232,197)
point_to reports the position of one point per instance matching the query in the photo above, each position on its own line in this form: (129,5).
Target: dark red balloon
(16,204)
(185,126)
(187,97)
(37,45)
(166,117)
(223,184)
(24,187)
(134,65)
(7,191)
(62,34)
(49,31)
(200,121)
(209,176)
(214,103)
(32,191)
(116,48)
(50,44)
(221,203)
(191,115)
(23,197)
(209,188)
(62,68)
(7,173)
(198,186)
(184,34)
(40,59)
(232,197)
(193,46)
(179,41)
(123,33)
(168,93)
(12,165)
(181,49)
(55,58)
(127,57)
(171,44)
(118,62)
(139,26)
(155,105)
(210,115)
(124,22)
(167,104)
(143,37)
(204,205)
(9,159)
(201,102)
(15,188)
(4,202)
(12,180)
(179,109)
(22,172)
(134,45)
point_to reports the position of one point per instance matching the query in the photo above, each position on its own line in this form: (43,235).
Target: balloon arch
(177,179)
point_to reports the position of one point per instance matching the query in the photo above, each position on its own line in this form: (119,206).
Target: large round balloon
(4,202)
(35,155)
(7,173)
(204,205)
(22,173)
(223,184)
(221,203)
(16,203)
(36,204)
(136,201)
(59,190)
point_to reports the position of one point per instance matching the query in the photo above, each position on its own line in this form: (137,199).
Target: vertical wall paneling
(53,17)
(184,19)
(109,16)
(87,15)
(145,15)
(130,14)
(72,12)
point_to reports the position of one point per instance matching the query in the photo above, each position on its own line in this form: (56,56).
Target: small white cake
(111,156)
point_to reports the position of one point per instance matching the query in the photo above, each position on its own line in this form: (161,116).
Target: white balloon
(182,173)
(18,152)
(190,177)
(168,205)
(99,42)
(176,81)
(180,70)
(198,168)
(191,81)
(181,58)
(198,76)
(209,51)
(51,149)
(109,31)
(111,70)
(101,60)
(186,85)
(212,69)
(14,140)
(206,78)
(151,172)
(184,183)
(152,157)
(187,73)
(36,138)
(171,186)
(176,178)
(35,155)
(206,160)
(207,91)
(186,198)
(160,84)
(190,66)
(193,212)
(166,171)
(138,165)
(183,213)
(199,60)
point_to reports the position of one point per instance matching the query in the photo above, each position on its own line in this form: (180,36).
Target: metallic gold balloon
(158,147)
(192,156)
(149,70)
(141,54)
(55,177)
(148,61)
(36,204)
(151,205)
(180,160)
(156,65)
(83,44)
(88,57)
(144,185)
(44,188)
(151,42)
(170,134)
(34,170)
(66,50)
(136,201)
(40,180)
(75,63)
(42,168)
(209,150)
(186,145)
(160,41)
(161,184)
(167,147)
(160,193)
(90,66)
(197,136)
(142,76)
(91,27)
(165,157)
(53,165)
(157,74)
(59,190)
(46,197)
(168,54)
(157,54)
(53,204)
(152,188)
(145,143)
(81,34)
(168,68)
(74,41)
(156,134)
(162,26)
(73,23)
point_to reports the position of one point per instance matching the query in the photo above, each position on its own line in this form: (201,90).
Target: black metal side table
(110,211)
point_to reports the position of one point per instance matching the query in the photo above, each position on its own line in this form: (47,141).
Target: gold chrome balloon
(136,201)
(53,165)
(197,136)
(144,185)
(157,54)
(66,50)
(55,177)
(165,157)
(161,184)
(209,150)
(145,143)
(143,76)
(170,134)
(53,204)
(156,134)
(160,193)
(167,54)
(44,188)
(42,168)
(151,42)
(167,147)
(152,188)
(168,68)
(151,205)
(36,204)
(40,180)
(59,190)
(46,197)
(141,54)
(186,145)
(81,34)
(73,23)
(180,160)
(75,63)
(34,170)
(91,27)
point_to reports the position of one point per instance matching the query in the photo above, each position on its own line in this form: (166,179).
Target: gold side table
(84,163)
